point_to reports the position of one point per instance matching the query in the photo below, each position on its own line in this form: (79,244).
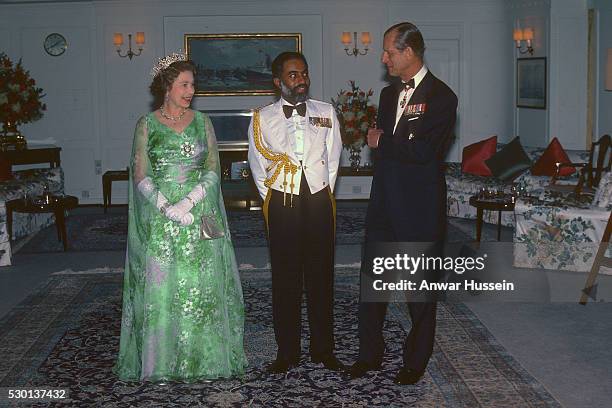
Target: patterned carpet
(66,335)
(89,229)
(94,231)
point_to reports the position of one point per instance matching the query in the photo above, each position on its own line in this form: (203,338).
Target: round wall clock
(55,44)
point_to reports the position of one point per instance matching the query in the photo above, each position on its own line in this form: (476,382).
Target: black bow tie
(288,109)
(408,84)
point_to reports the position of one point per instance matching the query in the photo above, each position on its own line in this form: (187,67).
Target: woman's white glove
(177,211)
(187,219)
(155,197)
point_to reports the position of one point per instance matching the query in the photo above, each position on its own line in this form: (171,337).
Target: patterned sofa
(460,186)
(561,232)
(29,182)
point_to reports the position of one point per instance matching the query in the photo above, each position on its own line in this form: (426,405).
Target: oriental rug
(66,334)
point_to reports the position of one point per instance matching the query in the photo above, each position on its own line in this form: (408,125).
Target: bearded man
(294,153)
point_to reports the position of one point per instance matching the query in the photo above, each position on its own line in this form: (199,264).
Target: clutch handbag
(210,227)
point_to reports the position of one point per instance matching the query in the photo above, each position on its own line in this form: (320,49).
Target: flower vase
(355,157)
(11,138)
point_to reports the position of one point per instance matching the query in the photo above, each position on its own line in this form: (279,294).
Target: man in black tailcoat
(415,126)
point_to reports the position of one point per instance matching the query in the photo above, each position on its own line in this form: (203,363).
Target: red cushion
(5,171)
(474,155)
(546,164)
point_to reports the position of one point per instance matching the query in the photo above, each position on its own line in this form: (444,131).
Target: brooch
(187,149)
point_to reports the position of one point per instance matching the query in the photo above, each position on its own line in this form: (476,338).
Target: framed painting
(531,83)
(237,64)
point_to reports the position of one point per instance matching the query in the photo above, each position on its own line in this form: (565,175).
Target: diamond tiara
(166,61)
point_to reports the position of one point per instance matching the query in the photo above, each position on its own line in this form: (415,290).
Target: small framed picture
(531,83)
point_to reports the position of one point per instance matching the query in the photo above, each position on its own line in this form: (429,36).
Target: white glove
(147,188)
(178,210)
(187,219)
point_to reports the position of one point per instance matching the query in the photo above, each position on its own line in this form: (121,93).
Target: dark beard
(290,94)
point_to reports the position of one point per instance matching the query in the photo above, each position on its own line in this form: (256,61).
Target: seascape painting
(237,64)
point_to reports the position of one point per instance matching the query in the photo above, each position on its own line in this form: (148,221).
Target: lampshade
(118,39)
(528,33)
(346,38)
(518,34)
(609,70)
(140,38)
(365,38)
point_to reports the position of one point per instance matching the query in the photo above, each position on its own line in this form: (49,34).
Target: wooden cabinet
(238,192)
(33,155)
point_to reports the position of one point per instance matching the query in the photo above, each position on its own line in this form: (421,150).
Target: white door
(442,59)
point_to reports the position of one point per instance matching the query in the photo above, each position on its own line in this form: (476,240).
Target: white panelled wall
(604,97)
(94,97)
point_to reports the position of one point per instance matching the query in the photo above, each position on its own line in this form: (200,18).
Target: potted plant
(19,102)
(356,114)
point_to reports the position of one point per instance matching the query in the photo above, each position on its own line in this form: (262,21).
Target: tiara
(166,61)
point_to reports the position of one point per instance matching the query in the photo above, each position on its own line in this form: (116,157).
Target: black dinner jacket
(409,188)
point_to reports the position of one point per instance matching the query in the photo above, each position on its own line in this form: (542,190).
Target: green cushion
(510,162)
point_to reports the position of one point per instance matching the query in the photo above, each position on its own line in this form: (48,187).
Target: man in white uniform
(294,152)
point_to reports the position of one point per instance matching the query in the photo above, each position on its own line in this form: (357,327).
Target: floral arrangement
(19,96)
(356,114)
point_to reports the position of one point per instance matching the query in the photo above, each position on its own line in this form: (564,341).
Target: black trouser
(418,345)
(302,252)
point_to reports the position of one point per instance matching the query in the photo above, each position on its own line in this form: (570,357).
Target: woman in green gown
(183,311)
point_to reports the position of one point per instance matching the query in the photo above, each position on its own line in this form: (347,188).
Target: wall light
(118,42)
(520,35)
(366,40)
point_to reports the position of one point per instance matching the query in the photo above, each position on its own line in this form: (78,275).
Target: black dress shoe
(280,366)
(361,368)
(330,362)
(408,376)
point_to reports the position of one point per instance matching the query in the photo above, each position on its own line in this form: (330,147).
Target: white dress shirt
(295,129)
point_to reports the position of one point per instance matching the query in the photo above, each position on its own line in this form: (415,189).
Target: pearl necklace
(172,118)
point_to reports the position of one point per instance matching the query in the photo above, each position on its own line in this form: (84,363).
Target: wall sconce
(118,42)
(609,70)
(526,34)
(365,40)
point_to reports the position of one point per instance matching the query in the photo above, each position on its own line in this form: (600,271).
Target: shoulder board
(259,108)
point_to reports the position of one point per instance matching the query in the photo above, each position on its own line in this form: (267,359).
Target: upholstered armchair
(561,231)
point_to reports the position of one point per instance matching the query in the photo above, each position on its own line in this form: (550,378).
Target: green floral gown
(183,311)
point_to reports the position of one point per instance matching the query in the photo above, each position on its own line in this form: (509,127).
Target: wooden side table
(107,184)
(58,205)
(499,204)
